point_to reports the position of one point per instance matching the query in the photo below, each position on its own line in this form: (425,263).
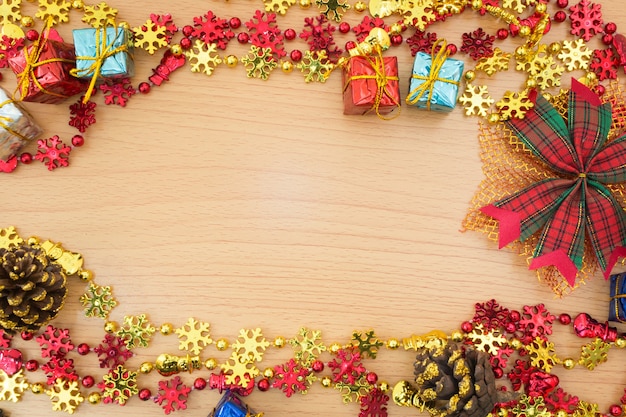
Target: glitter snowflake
(605,64)
(150,36)
(117,91)
(278,6)
(250,345)
(203,57)
(165,21)
(212,29)
(98,301)
(374,404)
(265,34)
(541,354)
(418,13)
(57,11)
(353,392)
(54,342)
(500,359)
(12,386)
(173,395)
(594,353)
(332,8)
(586,19)
(315,66)
(366,343)
(367,24)
(307,346)
(59,368)
(520,374)
(347,367)
(65,395)
(259,62)
(490,314)
(112,352)
(53,152)
(536,321)
(10,11)
(478,44)
(575,55)
(421,41)
(118,385)
(137,331)
(82,115)
(561,400)
(319,37)
(290,377)
(100,15)
(530,407)
(238,371)
(194,335)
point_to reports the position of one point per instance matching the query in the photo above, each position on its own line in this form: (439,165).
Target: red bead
(610,28)
(295,55)
(565,318)
(263,385)
(502,34)
(607,39)
(510,327)
(396,39)
(144,394)
(243,37)
(185,44)
(78,141)
(27,335)
(144,88)
(452,49)
(317,366)
(371,378)
(350,45)
(498,372)
(234,22)
(88,381)
(199,384)
(560,16)
(600,89)
(344,27)
(32,35)
(187,31)
(467,326)
(562,3)
(290,34)
(31,365)
(26,158)
(83,348)
(514,315)
(615,410)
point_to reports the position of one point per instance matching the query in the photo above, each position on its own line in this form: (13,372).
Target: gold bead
(569,363)
(470,76)
(110,327)
(286,66)
(166,329)
(78,4)
(27,21)
(124,25)
(146,367)
(85,275)
(555,48)
(268,373)
(477,4)
(620,343)
(221,344)
(305,4)
(395,29)
(561,413)
(457,336)
(541,7)
(591,77)
(210,364)
(503,412)
(521,53)
(360,7)
(280,342)
(33,240)
(384,386)
(531,83)
(393,344)
(94,398)
(547,96)
(326,382)
(493,118)
(231,61)
(176,49)
(515,344)
(37,388)
(334,348)
(524,31)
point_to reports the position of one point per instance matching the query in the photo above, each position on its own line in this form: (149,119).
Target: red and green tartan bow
(576,203)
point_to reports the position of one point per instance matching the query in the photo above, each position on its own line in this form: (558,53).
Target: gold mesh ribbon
(382,81)
(5,122)
(103,51)
(438,59)
(32,62)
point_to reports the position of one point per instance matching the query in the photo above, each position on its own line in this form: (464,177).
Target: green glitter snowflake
(306,346)
(353,392)
(531,407)
(336,8)
(367,344)
(315,66)
(594,353)
(119,385)
(259,62)
(137,331)
(98,301)
(542,354)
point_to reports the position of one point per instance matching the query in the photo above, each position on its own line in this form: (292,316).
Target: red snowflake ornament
(5,339)
(348,368)
(478,44)
(367,24)
(374,404)
(54,342)
(320,36)
(53,152)
(604,63)
(59,368)
(520,374)
(265,34)
(9,47)
(500,360)
(491,315)
(166,21)
(212,29)
(586,19)
(290,377)
(117,91)
(82,115)
(112,351)
(173,395)
(421,42)
(561,400)
(536,321)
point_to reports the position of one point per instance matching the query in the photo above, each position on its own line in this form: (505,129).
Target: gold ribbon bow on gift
(32,62)
(5,122)
(103,51)
(438,59)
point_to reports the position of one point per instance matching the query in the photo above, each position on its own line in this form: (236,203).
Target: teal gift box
(435,81)
(111,45)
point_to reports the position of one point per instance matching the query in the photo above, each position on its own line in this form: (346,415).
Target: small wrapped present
(371,85)
(16,127)
(232,406)
(43,70)
(434,84)
(103,53)
(617,306)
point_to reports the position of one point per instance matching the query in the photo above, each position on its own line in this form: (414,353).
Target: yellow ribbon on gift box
(5,121)
(438,59)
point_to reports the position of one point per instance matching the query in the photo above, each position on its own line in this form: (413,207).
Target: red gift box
(43,71)
(371,84)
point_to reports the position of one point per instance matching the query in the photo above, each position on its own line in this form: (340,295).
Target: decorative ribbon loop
(6,121)
(438,59)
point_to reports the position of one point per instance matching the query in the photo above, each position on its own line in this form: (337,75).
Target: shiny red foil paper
(360,94)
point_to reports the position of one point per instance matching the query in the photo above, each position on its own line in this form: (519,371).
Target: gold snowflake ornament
(353,392)
(98,301)
(476,100)
(203,57)
(518,5)
(542,354)
(137,331)
(150,36)
(445,7)
(418,13)
(57,11)
(514,105)
(278,6)
(10,11)
(119,385)
(65,395)
(594,353)
(251,345)
(307,346)
(12,386)
(238,371)
(259,62)
(100,15)
(575,55)
(9,237)
(194,335)
(487,341)
(315,66)
(332,9)
(499,61)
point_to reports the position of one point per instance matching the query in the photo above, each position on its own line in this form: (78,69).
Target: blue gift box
(617,306)
(434,87)
(114,44)
(232,406)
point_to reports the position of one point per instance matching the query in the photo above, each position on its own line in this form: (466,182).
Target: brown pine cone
(32,288)
(454,383)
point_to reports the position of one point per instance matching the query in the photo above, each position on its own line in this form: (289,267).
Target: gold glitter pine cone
(32,288)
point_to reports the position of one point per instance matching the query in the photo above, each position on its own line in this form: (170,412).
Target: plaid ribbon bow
(576,203)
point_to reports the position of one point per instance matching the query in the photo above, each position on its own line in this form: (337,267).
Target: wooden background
(249,203)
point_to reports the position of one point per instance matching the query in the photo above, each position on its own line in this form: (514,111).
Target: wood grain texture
(258,204)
